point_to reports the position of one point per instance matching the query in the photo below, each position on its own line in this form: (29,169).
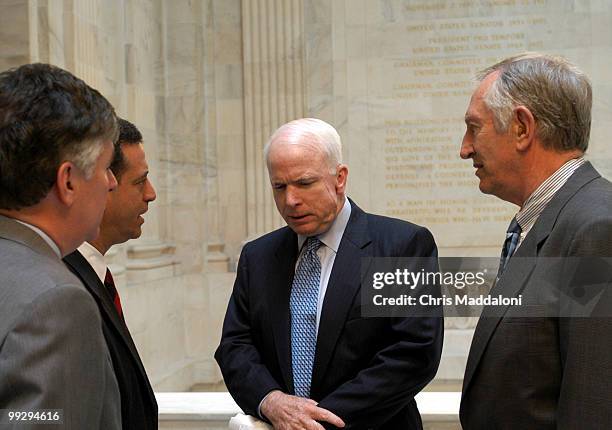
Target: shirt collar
(539,199)
(94,258)
(332,237)
(44,236)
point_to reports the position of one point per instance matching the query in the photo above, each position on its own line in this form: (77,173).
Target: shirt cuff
(261,417)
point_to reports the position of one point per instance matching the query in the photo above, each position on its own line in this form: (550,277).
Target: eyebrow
(470,118)
(141,177)
(307,178)
(300,179)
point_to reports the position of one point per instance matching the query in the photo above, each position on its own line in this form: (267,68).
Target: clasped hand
(287,412)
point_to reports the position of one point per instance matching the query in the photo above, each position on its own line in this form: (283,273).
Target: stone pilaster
(273,57)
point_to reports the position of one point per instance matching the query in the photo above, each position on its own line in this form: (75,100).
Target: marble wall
(171,69)
(396,77)
(14,18)
(208,81)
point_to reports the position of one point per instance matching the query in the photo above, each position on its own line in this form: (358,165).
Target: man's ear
(524,128)
(66,182)
(341,177)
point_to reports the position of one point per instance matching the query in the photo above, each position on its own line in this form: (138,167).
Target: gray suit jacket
(52,352)
(548,372)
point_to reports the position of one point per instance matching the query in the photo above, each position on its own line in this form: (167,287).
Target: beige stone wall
(14,22)
(175,70)
(207,81)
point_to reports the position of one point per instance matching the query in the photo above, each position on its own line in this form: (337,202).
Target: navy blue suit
(366,370)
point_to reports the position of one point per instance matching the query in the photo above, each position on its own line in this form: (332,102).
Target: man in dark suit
(541,366)
(295,348)
(122,221)
(56,144)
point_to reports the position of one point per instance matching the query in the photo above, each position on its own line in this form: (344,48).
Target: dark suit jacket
(366,370)
(547,372)
(138,404)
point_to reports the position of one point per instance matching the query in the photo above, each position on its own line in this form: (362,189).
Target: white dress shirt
(327,252)
(95,259)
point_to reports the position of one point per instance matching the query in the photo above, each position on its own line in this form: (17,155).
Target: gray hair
(555,91)
(86,157)
(309,131)
(47,116)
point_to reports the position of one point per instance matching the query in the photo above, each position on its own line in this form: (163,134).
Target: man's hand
(287,412)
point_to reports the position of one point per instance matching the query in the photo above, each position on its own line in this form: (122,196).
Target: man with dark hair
(56,145)
(546,364)
(128,134)
(122,221)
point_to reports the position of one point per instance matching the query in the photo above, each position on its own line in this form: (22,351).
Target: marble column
(140,51)
(273,57)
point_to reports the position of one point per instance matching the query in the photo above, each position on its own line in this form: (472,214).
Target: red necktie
(109,283)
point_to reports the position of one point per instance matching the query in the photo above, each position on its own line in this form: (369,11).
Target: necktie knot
(514,227)
(513,235)
(312,244)
(108,279)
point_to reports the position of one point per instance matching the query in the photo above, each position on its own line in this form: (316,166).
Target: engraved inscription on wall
(421,58)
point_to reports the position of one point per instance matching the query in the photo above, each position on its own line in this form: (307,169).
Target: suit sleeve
(55,357)
(246,376)
(400,370)
(586,348)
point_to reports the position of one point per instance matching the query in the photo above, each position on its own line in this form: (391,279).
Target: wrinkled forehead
(477,100)
(485,84)
(295,161)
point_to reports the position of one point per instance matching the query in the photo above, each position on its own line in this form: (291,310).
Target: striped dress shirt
(539,199)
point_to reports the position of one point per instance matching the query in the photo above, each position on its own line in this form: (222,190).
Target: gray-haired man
(528,126)
(56,146)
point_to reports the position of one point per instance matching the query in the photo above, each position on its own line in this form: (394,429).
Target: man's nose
(292,197)
(150,194)
(467,149)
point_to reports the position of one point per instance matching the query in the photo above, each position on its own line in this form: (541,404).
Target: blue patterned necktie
(303,306)
(510,244)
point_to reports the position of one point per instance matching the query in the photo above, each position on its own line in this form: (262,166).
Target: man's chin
(136,233)
(127,234)
(492,190)
(303,229)
(484,187)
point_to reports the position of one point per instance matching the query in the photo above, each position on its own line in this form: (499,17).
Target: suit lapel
(79,265)
(521,265)
(511,283)
(344,283)
(280,280)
